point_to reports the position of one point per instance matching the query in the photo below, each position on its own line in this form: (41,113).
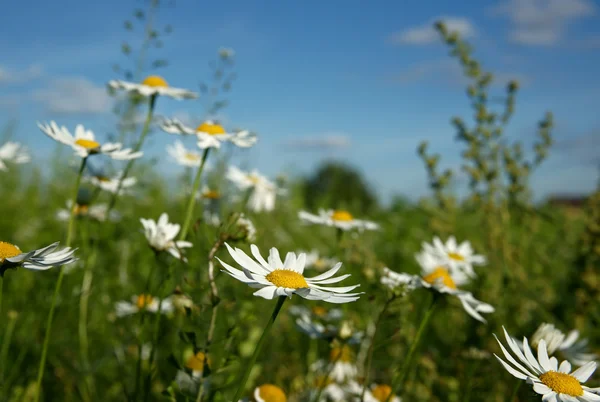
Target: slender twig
(192,200)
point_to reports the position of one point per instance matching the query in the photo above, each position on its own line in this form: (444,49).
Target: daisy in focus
(569,345)
(153,85)
(84,142)
(143,302)
(111,184)
(262,191)
(439,279)
(456,256)
(210,134)
(274,277)
(340,219)
(183,156)
(556,383)
(41,259)
(161,236)
(13,152)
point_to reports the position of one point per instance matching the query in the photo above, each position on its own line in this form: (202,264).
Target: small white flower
(13,152)
(338,218)
(84,142)
(210,134)
(161,236)
(143,302)
(153,86)
(111,184)
(269,393)
(276,278)
(556,383)
(556,341)
(316,312)
(318,330)
(41,259)
(314,260)
(96,212)
(184,156)
(246,225)
(262,191)
(379,393)
(455,256)
(341,365)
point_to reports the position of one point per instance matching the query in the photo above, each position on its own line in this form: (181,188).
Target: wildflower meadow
(224,283)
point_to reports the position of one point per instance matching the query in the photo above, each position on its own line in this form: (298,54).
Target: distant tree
(338,185)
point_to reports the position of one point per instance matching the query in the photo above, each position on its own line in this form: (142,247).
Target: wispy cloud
(327,141)
(542,23)
(73,95)
(12,76)
(426,34)
(584,148)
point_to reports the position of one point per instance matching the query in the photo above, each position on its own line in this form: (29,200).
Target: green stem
(397,384)
(367,368)
(137,147)
(12,321)
(192,201)
(250,364)
(513,396)
(1,292)
(86,286)
(42,365)
(469,384)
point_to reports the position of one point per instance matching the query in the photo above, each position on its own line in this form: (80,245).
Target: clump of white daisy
(153,85)
(97,212)
(111,184)
(340,219)
(41,259)
(274,277)
(84,142)
(210,134)
(13,152)
(556,383)
(143,302)
(161,236)
(455,256)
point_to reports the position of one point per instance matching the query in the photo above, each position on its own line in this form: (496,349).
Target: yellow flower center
(8,250)
(319,263)
(253,178)
(196,362)
(442,274)
(456,256)
(87,144)
(319,311)
(211,194)
(211,128)
(343,354)
(271,393)
(103,179)
(155,81)
(562,383)
(342,216)
(381,392)
(81,209)
(143,301)
(285,278)
(192,157)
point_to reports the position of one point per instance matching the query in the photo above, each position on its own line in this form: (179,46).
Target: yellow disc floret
(80,209)
(211,195)
(440,274)
(562,383)
(196,362)
(8,250)
(155,81)
(210,128)
(270,393)
(319,311)
(342,354)
(143,301)
(456,256)
(381,392)
(341,216)
(87,144)
(285,278)
(191,156)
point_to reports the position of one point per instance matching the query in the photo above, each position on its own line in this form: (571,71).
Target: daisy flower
(453,255)
(341,365)
(314,260)
(41,259)
(438,279)
(262,190)
(247,227)
(211,200)
(556,383)
(143,302)
(161,236)
(380,393)
(316,312)
(567,344)
(84,142)
(267,393)
(210,134)
(111,184)
(183,156)
(96,212)
(332,391)
(318,330)
(13,152)
(153,85)
(340,219)
(276,278)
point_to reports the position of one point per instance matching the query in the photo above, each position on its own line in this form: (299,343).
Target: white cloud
(426,34)
(542,22)
(327,141)
(10,76)
(74,95)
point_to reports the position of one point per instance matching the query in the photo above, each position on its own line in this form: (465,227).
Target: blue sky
(318,80)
